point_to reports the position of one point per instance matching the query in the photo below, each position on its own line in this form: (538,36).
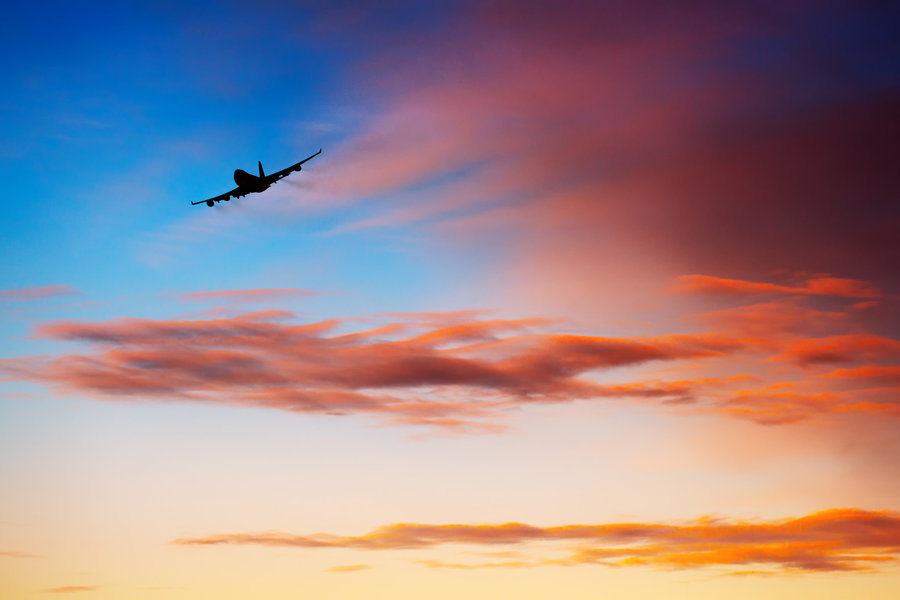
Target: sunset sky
(580,300)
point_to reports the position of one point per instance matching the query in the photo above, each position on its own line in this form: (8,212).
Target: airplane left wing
(274,177)
(218,198)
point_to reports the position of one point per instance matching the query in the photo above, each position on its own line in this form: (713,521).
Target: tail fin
(261,172)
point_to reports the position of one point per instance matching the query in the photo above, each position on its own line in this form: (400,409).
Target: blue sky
(118,116)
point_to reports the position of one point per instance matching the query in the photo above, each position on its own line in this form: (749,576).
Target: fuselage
(250,183)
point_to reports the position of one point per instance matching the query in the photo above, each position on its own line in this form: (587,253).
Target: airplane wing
(274,177)
(219,198)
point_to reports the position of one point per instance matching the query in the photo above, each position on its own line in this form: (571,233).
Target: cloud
(781,403)
(847,539)
(347,568)
(587,166)
(772,406)
(583,162)
(818,286)
(248,296)
(870,375)
(10,554)
(439,317)
(838,349)
(776,319)
(31,294)
(455,371)
(449,374)
(69,589)
(440,564)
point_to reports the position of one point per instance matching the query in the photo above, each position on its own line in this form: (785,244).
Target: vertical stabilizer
(261,172)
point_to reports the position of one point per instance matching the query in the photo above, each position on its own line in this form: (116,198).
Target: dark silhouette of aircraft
(251,184)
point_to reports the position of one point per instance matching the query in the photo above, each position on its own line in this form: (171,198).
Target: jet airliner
(251,184)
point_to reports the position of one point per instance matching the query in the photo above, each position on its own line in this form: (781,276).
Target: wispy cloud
(779,318)
(248,296)
(453,370)
(446,374)
(37,293)
(591,167)
(348,568)
(838,349)
(10,554)
(830,540)
(69,589)
(816,286)
(872,374)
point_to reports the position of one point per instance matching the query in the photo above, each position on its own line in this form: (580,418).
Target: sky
(580,298)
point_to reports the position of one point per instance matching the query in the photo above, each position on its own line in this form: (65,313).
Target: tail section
(261,172)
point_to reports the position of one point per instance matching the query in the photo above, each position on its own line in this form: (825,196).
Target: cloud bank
(830,540)
(462,371)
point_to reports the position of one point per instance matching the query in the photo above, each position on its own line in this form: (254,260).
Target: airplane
(251,184)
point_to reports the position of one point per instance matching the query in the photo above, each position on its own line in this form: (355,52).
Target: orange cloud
(440,564)
(818,286)
(672,392)
(871,374)
(770,406)
(10,554)
(840,349)
(68,589)
(829,540)
(778,404)
(347,568)
(775,319)
(419,372)
(451,371)
(37,293)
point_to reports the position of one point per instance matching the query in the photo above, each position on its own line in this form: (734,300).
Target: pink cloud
(818,286)
(37,293)
(591,168)
(439,373)
(450,370)
(248,296)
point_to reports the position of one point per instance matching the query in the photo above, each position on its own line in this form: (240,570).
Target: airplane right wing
(218,198)
(275,177)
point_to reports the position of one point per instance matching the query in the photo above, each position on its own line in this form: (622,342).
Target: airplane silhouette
(251,184)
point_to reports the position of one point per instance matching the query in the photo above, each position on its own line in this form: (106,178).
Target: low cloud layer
(461,370)
(830,540)
(70,589)
(438,374)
